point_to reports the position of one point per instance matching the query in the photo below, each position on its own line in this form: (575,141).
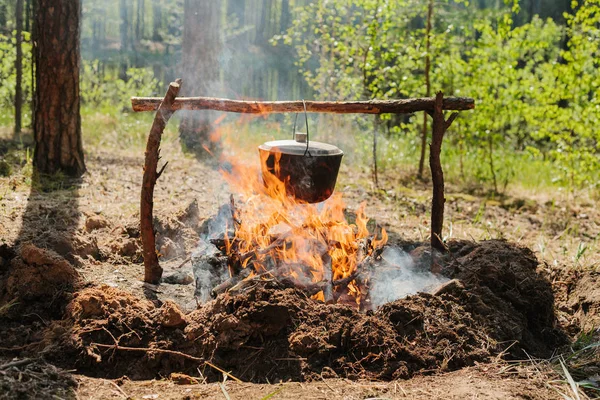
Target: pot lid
(298,148)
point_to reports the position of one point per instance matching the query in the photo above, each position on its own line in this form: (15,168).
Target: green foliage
(110,92)
(350,49)
(569,111)
(532,98)
(8,76)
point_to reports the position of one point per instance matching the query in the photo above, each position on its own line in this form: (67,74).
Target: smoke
(397,276)
(209,269)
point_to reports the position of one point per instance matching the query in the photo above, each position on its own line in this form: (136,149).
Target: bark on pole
(437,175)
(152,269)
(403,106)
(57,126)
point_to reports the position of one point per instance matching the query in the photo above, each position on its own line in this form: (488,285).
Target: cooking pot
(307,168)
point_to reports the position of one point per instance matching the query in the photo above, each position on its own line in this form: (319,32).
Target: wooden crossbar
(402,106)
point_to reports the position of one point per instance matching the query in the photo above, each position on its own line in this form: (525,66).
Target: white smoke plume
(398,276)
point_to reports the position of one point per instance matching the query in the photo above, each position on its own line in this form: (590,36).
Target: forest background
(532,67)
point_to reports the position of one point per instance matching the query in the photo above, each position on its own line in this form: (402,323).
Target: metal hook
(307,133)
(294,131)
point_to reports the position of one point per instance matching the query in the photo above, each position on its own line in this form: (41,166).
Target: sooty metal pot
(308,169)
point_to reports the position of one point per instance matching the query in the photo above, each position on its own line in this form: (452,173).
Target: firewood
(279,242)
(229,283)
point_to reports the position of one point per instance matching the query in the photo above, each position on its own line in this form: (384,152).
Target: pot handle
(307,133)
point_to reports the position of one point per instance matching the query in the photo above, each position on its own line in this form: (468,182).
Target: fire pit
(320,249)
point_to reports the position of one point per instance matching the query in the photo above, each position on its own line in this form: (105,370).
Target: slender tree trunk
(124,31)
(3,15)
(375,133)
(202,44)
(139,22)
(57,121)
(427,87)
(27,15)
(19,67)
(156,20)
(491,161)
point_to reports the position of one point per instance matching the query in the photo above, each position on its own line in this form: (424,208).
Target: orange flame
(309,244)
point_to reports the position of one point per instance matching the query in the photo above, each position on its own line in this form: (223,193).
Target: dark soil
(34,379)
(497,305)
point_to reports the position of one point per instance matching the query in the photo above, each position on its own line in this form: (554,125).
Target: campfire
(264,234)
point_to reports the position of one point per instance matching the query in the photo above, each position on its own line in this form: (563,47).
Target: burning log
(231,282)
(328,272)
(277,243)
(346,281)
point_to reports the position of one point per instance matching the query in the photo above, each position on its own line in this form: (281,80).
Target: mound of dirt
(504,292)
(38,279)
(271,333)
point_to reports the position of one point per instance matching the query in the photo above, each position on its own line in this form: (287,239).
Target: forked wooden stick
(440,125)
(152,269)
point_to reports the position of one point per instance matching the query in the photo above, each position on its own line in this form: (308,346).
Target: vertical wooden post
(437,174)
(152,269)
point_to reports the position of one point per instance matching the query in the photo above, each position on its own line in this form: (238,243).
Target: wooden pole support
(402,106)
(440,125)
(152,269)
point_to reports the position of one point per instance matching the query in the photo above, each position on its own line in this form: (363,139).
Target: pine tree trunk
(202,44)
(57,122)
(19,67)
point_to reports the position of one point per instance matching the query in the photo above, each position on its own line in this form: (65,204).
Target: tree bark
(19,67)
(57,121)
(202,42)
(152,269)
(427,86)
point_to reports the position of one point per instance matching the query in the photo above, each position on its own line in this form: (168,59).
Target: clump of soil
(497,304)
(38,279)
(578,298)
